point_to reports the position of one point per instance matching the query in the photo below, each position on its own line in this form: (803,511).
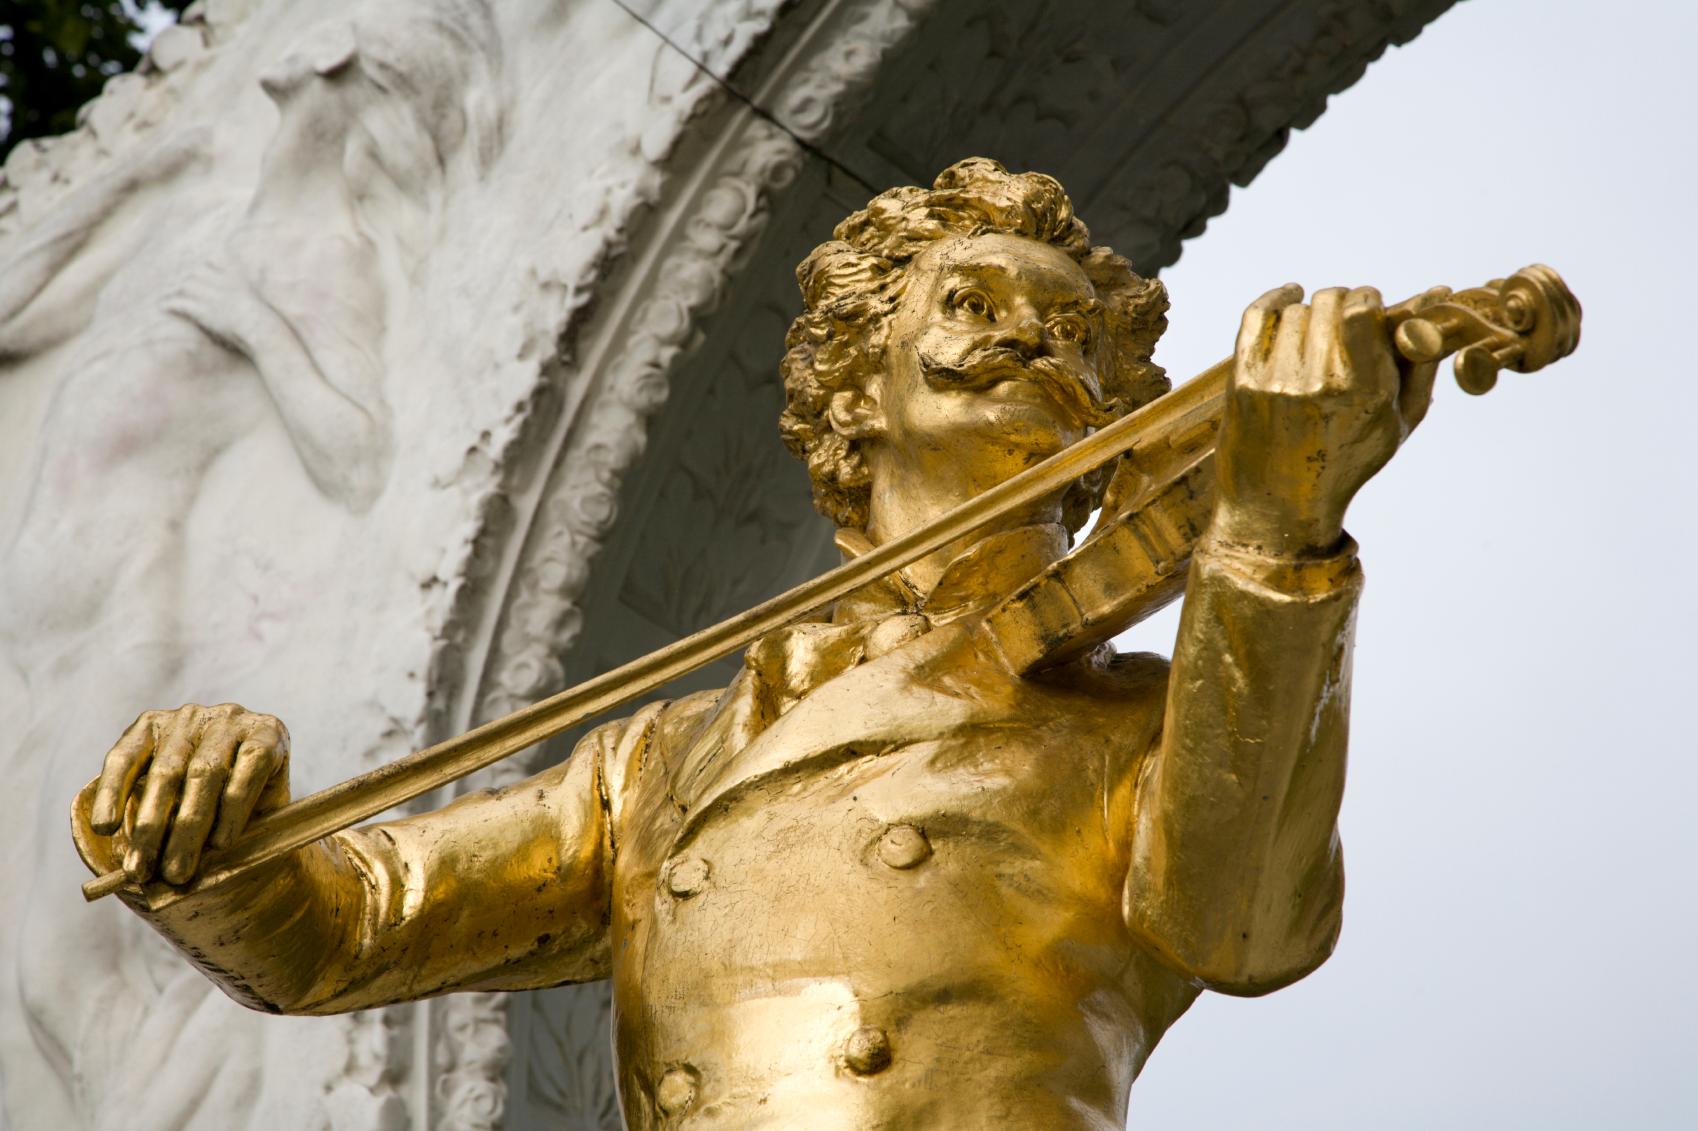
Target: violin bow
(1521,323)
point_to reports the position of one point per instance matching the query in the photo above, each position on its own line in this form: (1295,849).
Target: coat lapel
(861,712)
(819,693)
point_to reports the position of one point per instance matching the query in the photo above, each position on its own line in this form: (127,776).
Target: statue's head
(969,328)
(406,94)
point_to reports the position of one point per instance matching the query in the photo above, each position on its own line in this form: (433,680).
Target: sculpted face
(348,116)
(991,367)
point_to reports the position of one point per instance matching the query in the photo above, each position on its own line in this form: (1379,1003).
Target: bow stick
(1522,323)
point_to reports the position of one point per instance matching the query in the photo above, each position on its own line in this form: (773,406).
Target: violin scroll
(1521,323)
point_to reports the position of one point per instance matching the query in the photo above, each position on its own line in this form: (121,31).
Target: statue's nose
(1025,335)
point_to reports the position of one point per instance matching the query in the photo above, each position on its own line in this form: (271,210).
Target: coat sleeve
(503,889)
(1236,877)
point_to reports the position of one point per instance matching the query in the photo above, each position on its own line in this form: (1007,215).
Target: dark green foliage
(55,55)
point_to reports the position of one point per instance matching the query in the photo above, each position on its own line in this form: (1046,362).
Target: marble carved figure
(272,310)
(928,861)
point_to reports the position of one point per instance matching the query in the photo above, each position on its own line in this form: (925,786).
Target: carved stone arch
(1147,111)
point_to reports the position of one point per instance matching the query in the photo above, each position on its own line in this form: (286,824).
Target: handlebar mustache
(985,367)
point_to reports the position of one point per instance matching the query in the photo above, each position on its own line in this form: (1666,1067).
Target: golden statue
(938,857)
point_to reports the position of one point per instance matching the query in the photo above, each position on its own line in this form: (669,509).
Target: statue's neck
(901,506)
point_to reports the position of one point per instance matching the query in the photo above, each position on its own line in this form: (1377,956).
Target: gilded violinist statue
(888,878)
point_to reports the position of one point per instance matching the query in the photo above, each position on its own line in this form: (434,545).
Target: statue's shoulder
(680,719)
(1130,687)
(1118,675)
(628,750)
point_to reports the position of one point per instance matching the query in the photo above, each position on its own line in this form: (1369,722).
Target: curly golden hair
(852,284)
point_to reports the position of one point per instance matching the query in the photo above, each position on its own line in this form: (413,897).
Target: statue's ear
(855,414)
(335,51)
(327,50)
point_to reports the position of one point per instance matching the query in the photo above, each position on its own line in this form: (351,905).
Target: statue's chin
(1024,417)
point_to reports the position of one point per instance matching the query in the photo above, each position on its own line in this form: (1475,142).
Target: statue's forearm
(272,938)
(62,234)
(503,889)
(24,326)
(328,393)
(1236,875)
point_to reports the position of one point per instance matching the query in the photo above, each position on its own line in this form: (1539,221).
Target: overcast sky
(1520,940)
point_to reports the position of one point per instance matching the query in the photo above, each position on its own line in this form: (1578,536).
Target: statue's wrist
(1276,531)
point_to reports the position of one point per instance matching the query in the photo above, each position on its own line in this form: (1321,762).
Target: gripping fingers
(259,759)
(1261,318)
(1326,309)
(159,799)
(1367,346)
(1416,395)
(1286,369)
(203,786)
(118,773)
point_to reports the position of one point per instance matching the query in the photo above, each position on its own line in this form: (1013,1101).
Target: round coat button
(687,877)
(867,1051)
(677,1091)
(903,846)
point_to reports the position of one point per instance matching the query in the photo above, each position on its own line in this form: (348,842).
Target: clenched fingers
(175,746)
(257,775)
(203,788)
(1261,318)
(123,765)
(1416,395)
(1323,336)
(1286,369)
(1366,344)
(205,770)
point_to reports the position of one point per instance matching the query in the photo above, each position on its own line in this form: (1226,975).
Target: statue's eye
(974,303)
(1069,328)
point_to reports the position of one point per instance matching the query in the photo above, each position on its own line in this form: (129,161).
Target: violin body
(1135,561)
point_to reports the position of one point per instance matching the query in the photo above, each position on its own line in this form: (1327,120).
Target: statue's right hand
(209,770)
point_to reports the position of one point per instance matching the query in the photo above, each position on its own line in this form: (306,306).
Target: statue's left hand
(216,299)
(1319,401)
(208,770)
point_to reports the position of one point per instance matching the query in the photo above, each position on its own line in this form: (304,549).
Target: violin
(1161,495)
(1134,562)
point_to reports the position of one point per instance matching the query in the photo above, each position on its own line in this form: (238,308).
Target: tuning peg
(1476,369)
(1419,340)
